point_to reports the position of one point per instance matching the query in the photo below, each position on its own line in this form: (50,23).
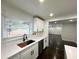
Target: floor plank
(51,53)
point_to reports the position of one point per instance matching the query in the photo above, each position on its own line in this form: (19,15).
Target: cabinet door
(45,43)
(35,50)
(30,53)
(38,24)
(17,56)
(26,54)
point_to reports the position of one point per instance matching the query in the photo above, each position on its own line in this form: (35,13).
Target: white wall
(12,13)
(69,32)
(55,29)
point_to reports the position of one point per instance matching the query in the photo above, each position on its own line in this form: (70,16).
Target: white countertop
(71,52)
(10,48)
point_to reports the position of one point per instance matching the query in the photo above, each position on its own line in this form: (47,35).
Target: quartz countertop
(10,48)
(71,52)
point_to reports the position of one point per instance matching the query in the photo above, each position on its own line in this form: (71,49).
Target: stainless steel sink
(23,44)
(29,41)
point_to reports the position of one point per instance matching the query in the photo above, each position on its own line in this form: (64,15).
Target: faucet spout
(25,37)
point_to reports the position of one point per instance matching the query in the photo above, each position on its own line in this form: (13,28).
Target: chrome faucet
(25,37)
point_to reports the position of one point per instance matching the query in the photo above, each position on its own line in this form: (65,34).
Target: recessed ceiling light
(51,14)
(41,1)
(70,20)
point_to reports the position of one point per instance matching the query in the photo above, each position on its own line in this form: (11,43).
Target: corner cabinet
(29,53)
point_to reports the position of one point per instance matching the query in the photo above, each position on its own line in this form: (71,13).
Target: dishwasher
(40,47)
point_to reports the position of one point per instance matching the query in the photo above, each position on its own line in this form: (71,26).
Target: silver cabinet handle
(45,40)
(32,52)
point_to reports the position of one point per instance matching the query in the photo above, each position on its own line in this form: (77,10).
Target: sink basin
(23,44)
(29,41)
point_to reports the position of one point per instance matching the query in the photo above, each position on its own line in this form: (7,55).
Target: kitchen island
(70,52)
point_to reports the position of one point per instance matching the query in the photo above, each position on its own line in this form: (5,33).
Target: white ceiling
(58,7)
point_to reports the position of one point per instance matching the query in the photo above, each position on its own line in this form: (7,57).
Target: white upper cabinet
(38,24)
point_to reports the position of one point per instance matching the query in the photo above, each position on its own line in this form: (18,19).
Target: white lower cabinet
(16,56)
(29,53)
(45,42)
(25,54)
(34,51)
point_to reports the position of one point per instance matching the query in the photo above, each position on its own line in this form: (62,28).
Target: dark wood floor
(55,49)
(52,53)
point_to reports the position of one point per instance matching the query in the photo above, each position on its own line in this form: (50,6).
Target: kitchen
(30,29)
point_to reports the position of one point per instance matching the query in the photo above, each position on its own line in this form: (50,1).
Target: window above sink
(16,27)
